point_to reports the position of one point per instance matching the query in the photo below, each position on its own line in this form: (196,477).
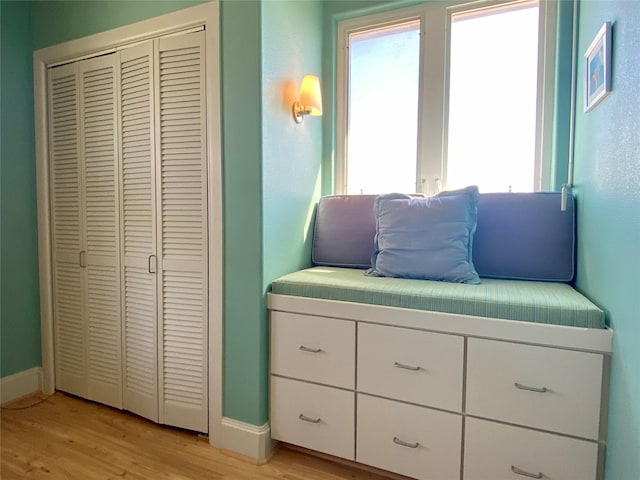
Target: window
(444,95)
(383,127)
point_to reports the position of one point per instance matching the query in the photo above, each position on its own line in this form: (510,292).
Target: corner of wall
(20,384)
(240,438)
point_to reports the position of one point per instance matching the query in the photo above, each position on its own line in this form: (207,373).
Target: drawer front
(410,365)
(407,439)
(312,348)
(546,388)
(496,451)
(313,416)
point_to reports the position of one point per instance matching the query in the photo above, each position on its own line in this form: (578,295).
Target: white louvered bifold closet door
(182,229)
(139,231)
(67,228)
(98,134)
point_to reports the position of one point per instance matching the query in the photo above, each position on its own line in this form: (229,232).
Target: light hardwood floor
(68,438)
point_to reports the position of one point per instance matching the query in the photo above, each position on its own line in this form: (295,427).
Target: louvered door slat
(183,231)
(70,341)
(139,239)
(64,159)
(67,227)
(98,109)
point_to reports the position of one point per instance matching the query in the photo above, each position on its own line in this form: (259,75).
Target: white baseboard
(243,438)
(20,384)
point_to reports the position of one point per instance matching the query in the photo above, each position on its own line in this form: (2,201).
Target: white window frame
(435,19)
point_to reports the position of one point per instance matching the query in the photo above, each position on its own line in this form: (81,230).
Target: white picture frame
(597,68)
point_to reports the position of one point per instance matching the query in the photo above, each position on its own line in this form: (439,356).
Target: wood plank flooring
(68,438)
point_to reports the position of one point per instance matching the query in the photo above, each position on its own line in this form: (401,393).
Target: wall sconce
(310,101)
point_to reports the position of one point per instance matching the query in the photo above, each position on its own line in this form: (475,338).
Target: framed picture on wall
(597,68)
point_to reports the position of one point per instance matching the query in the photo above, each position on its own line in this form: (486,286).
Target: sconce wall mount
(310,100)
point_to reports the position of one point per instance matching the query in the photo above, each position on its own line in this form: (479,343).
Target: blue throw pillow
(426,238)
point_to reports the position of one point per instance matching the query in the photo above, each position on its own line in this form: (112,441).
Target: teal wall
(291,163)
(59,21)
(19,304)
(292,152)
(607,180)
(245,394)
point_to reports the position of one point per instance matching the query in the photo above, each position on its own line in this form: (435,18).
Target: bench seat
(526,301)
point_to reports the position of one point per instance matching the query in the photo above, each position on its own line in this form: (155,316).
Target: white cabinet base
(431,400)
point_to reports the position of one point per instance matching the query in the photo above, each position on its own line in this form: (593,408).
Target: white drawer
(495,451)
(410,365)
(317,349)
(570,384)
(414,441)
(313,416)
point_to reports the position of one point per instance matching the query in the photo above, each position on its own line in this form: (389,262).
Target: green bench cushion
(527,301)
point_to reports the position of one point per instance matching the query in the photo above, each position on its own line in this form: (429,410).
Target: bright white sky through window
(492,100)
(383,109)
(490,128)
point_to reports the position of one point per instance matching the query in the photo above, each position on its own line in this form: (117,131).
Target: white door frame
(206,15)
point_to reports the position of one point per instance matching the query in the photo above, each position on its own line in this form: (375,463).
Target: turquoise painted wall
(291,163)
(607,179)
(59,21)
(291,152)
(19,311)
(245,391)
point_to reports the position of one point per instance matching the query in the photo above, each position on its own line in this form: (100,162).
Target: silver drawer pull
(406,367)
(402,443)
(517,471)
(531,389)
(310,350)
(304,418)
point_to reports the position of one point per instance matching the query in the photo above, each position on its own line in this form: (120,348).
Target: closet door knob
(82,259)
(152,263)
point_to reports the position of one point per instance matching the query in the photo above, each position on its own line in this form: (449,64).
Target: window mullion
(431,120)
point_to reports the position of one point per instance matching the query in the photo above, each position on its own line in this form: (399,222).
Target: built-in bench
(540,302)
(413,376)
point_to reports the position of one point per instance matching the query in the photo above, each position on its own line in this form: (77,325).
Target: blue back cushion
(525,236)
(522,236)
(344,230)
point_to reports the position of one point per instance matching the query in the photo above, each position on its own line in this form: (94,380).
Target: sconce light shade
(310,101)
